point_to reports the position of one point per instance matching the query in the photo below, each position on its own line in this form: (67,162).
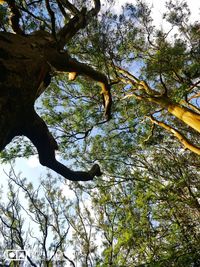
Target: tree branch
(52,16)
(79,21)
(191,106)
(14,17)
(71,28)
(62,9)
(178,135)
(21,7)
(69,6)
(64,63)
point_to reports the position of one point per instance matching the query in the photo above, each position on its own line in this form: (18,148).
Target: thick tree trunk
(26,64)
(22,63)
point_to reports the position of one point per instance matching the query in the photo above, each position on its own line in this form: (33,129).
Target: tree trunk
(187,116)
(23,65)
(26,65)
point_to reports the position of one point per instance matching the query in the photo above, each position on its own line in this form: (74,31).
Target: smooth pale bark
(184,114)
(187,144)
(189,117)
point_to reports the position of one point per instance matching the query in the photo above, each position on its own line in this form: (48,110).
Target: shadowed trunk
(26,63)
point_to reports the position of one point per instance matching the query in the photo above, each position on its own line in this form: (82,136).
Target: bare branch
(127,74)
(71,28)
(62,9)
(52,16)
(79,21)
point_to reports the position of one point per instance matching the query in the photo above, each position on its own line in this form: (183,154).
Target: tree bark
(184,114)
(187,144)
(26,65)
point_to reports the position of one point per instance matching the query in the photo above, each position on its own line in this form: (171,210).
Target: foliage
(144,211)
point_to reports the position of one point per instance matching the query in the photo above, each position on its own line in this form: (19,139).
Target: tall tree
(163,67)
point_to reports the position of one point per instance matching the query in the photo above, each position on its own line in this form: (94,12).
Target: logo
(16,255)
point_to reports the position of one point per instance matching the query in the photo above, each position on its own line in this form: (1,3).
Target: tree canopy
(144,210)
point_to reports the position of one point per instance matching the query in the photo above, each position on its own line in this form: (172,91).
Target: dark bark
(26,63)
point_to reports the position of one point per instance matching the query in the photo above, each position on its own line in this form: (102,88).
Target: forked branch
(52,16)
(79,21)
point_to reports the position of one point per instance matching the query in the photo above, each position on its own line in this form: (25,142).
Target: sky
(158,8)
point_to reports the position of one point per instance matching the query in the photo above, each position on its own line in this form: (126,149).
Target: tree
(29,58)
(169,72)
(146,216)
(167,67)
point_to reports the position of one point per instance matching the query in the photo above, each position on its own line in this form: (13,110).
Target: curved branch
(178,135)
(46,145)
(64,63)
